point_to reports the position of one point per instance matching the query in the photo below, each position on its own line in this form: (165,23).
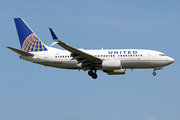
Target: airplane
(110,61)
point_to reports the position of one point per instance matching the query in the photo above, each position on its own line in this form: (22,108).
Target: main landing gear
(92,73)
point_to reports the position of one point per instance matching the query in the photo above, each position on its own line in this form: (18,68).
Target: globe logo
(33,44)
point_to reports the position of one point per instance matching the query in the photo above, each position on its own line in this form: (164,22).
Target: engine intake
(111,64)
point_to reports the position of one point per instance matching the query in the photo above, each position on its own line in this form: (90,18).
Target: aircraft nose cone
(170,60)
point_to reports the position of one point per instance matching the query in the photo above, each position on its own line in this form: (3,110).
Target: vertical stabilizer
(28,40)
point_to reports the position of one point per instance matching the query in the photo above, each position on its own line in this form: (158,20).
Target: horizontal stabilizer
(20,51)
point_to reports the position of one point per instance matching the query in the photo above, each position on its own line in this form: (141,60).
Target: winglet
(55,38)
(53,34)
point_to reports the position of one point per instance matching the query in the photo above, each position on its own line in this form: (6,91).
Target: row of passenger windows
(139,55)
(119,55)
(62,56)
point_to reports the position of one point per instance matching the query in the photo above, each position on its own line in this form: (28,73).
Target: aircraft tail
(28,40)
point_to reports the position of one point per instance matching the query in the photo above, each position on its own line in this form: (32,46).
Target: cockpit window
(162,55)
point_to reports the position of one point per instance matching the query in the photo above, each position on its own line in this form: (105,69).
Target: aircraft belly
(143,64)
(64,64)
(133,64)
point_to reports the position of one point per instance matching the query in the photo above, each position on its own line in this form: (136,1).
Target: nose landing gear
(154,73)
(158,68)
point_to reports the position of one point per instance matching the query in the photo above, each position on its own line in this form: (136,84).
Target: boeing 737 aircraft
(110,61)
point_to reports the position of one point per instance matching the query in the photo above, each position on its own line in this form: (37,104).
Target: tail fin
(28,40)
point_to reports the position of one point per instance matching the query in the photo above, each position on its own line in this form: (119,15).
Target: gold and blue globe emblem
(33,44)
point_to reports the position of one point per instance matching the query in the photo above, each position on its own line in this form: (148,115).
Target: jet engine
(111,64)
(115,72)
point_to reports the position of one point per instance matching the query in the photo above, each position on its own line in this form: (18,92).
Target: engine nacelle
(115,72)
(111,64)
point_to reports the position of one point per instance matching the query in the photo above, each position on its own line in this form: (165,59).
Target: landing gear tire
(154,73)
(94,76)
(90,73)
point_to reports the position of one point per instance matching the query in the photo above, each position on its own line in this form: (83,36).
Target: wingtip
(50,28)
(53,34)
(8,47)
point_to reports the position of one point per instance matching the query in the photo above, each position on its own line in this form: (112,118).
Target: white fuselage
(130,58)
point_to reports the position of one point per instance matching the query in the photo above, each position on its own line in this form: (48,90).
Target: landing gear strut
(157,68)
(92,73)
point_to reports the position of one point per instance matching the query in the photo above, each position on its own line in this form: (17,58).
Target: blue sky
(30,91)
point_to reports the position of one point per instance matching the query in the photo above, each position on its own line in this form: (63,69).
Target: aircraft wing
(80,56)
(20,52)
